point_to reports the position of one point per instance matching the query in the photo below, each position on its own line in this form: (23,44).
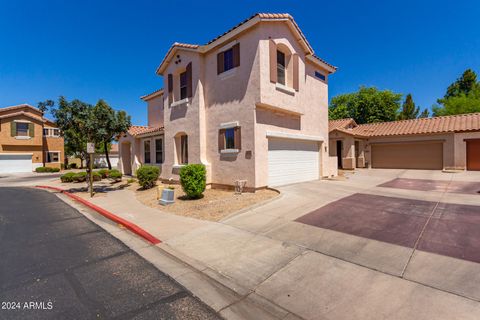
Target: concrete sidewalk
(247,270)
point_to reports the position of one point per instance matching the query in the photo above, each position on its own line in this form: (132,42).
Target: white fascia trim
(228,125)
(284,88)
(180,102)
(23,137)
(22,121)
(295,136)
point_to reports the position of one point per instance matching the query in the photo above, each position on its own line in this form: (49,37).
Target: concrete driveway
(27,179)
(411,226)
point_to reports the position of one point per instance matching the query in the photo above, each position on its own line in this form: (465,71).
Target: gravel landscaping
(215,205)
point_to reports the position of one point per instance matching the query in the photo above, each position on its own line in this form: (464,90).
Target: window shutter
(236,55)
(237,138)
(189,80)
(31,130)
(170,89)
(13,129)
(295,71)
(273,61)
(220,61)
(221,139)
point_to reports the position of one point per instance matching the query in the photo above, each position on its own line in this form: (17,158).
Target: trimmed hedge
(96,176)
(104,173)
(80,176)
(115,175)
(148,176)
(46,169)
(193,178)
(68,177)
(72,166)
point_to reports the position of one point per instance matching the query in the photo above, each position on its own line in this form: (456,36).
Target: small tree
(148,176)
(44,105)
(409,110)
(193,179)
(425,114)
(110,124)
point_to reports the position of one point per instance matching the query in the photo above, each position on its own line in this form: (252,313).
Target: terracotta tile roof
(340,124)
(445,124)
(23,113)
(19,106)
(152,95)
(261,16)
(141,130)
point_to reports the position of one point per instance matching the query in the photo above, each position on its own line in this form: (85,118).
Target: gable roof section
(340,124)
(152,95)
(19,106)
(244,25)
(23,113)
(142,130)
(445,124)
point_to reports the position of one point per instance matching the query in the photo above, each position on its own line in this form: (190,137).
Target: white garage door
(10,163)
(292,161)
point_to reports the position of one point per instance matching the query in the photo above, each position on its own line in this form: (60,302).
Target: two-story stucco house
(28,140)
(251,104)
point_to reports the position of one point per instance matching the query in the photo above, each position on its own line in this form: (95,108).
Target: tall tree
(462,96)
(463,85)
(111,123)
(425,114)
(44,105)
(409,110)
(367,105)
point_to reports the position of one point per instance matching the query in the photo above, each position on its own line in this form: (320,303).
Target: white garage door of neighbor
(10,163)
(292,161)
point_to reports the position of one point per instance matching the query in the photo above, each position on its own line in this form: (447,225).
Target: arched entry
(126,158)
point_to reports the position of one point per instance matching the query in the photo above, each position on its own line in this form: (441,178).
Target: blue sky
(110,49)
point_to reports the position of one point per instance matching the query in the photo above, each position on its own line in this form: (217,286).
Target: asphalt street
(56,264)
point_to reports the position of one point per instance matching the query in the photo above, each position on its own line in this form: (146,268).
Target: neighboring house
(28,140)
(439,143)
(100,160)
(251,104)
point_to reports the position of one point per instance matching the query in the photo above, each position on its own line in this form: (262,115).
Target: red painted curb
(127,224)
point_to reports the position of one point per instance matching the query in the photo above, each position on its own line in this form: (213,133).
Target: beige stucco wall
(238,95)
(155,111)
(310,101)
(460,146)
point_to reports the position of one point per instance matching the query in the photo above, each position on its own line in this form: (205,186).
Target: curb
(127,224)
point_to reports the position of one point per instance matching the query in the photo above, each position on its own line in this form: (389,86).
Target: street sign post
(90,151)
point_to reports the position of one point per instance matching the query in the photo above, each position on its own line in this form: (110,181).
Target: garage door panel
(12,163)
(473,154)
(292,161)
(427,156)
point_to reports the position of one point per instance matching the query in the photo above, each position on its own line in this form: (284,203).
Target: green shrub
(68,177)
(72,166)
(96,176)
(115,175)
(193,178)
(80,176)
(62,166)
(104,173)
(46,169)
(148,176)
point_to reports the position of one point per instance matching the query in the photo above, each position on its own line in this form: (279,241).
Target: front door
(339,153)
(473,154)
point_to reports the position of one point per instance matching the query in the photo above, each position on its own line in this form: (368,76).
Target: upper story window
(228,59)
(281,67)
(51,132)
(284,67)
(230,138)
(52,156)
(183,85)
(22,129)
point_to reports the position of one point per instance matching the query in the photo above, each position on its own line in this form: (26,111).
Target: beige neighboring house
(439,143)
(251,104)
(100,160)
(28,140)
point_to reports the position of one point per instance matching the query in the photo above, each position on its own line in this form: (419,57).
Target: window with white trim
(52,156)
(22,129)
(146,151)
